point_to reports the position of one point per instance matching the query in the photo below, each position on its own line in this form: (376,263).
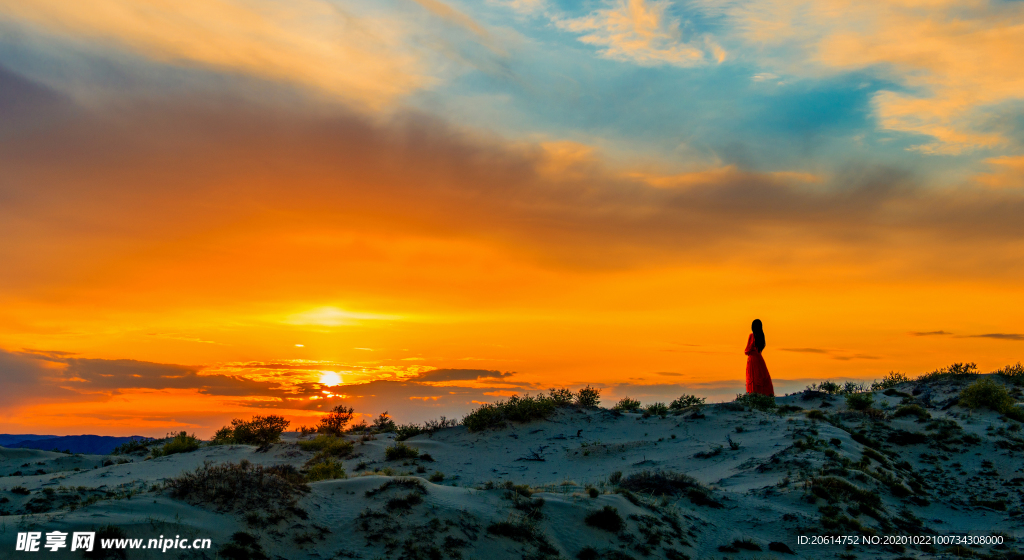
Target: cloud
(998,336)
(856,357)
(25,377)
(92,376)
(448,374)
(835,355)
(950,64)
(639,31)
(930,333)
(447,13)
(524,6)
(312,43)
(414,176)
(1007,172)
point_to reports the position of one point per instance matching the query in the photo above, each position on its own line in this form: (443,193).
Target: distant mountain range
(88,444)
(7,439)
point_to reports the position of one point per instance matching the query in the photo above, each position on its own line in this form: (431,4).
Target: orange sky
(209,245)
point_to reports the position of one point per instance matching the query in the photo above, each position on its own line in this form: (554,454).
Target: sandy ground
(956,473)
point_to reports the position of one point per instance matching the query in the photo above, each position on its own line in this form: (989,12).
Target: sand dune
(760,479)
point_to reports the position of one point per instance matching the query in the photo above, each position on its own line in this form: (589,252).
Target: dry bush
(237,486)
(334,422)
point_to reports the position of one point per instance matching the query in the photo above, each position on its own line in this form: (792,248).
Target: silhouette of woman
(758,380)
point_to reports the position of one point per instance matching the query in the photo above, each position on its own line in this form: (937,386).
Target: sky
(221,208)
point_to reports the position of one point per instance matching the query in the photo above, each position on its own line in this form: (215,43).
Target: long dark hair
(758,334)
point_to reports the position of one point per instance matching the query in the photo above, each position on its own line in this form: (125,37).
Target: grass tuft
(181,442)
(627,404)
(756,401)
(400,451)
(911,410)
(859,401)
(986,393)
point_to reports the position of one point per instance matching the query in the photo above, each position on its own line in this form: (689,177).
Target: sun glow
(330,378)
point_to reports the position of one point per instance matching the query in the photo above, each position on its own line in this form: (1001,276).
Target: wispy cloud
(998,336)
(930,333)
(313,43)
(640,31)
(449,374)
(953,63)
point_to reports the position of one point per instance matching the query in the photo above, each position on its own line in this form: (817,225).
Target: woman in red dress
(758,380)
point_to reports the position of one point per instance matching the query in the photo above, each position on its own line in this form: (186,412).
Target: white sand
(748,482)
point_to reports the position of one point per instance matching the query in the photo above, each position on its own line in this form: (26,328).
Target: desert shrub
(986,393)
(438,476)
(615,477)
(261,430)
(361,427)
(516,530)
(955,371)
(911,410)
(400,451)
(687,401)
(223,436)
(107,532)
(431,426)
(859,401)
(327,469)
(835,489)
(660,483)
(561,397)
(414,484)
(133,447)
(655,409)
(746,544)
(592,492)
(406,431)
(756,401)
(326,445)
(606,519)
(816,415)
(670,483)
(891,379)
(20,490)
(827,386)
(334,422)
(182,442)
(231,486)
(403,502)
(627,404)
(713,452)
(1014,374)
(515,409)
(242,546)
(588,397)
(384,423)
(1014,413)
(832,388)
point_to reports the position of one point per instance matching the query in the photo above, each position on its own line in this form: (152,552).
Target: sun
(330,378)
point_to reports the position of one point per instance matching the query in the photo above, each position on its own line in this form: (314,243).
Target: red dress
(758,380)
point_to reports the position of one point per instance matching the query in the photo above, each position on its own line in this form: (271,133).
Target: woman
(758,380)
